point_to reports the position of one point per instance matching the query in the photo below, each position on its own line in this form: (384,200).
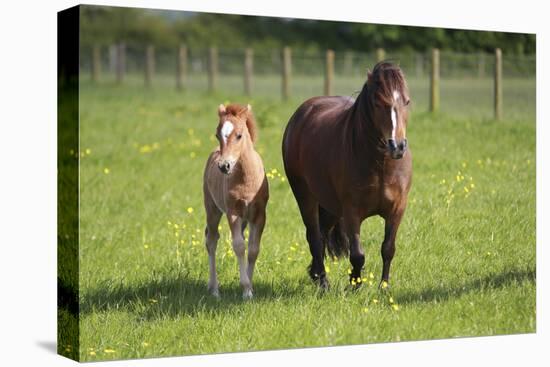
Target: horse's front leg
(388,246)
(235,223)
(356,253)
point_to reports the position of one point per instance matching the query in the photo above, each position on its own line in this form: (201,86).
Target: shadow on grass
(178,297)
(446,292)
(183,296)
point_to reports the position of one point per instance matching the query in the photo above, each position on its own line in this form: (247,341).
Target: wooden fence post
(287,65)
(434,85)
(120,62)
(96,63)
(329,72)
(181,69)
(498,84)
(212,69)
(149,65)
(380,54)
(248,70)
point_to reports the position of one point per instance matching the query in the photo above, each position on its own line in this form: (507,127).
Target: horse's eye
(239,136)
(407,102)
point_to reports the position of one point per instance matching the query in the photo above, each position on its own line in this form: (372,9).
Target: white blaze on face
(396,97)
(393,122)
(226,130)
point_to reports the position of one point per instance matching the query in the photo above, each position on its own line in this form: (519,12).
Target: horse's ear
(369,75)
(221,109)
(249,108)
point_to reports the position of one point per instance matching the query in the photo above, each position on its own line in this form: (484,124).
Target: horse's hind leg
(235,223)
(212,235)
(309,209)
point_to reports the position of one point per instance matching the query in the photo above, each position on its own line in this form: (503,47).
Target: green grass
(465,261)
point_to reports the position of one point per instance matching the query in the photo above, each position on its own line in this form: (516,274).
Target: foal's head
(236,132)
(389,98)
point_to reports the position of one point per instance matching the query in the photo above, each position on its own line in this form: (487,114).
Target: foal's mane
(384,79)
(240,110)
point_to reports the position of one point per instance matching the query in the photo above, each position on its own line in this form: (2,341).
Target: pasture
(465,260)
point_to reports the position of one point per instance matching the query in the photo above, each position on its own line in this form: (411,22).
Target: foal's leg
(388,246)
(356,253)
(235,223)
(256,230)
(212,235)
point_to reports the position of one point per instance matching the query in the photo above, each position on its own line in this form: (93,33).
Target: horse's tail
(335,241)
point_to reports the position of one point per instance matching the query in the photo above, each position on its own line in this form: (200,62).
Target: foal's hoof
(214,292)
(247,294)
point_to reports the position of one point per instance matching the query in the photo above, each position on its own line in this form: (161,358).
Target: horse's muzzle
(397,150)
(225,166)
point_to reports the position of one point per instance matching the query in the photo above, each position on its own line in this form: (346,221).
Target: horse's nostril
(391,144)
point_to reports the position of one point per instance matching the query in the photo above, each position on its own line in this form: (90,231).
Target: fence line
(305,63)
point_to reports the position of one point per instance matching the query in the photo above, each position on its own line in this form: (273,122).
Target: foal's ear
(221,109)
(369,75)
(251,123)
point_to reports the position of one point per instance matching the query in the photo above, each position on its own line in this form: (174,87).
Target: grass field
(465,261)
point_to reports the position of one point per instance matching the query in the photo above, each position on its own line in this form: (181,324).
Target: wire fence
(467,84)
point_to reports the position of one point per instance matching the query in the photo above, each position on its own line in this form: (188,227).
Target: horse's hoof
(324,284)
(384,286)
(247,294)
(355,282)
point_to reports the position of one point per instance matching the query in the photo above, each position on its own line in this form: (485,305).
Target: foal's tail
(335,241)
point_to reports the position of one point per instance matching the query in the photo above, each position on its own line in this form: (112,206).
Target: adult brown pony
(235,184)
(348,160)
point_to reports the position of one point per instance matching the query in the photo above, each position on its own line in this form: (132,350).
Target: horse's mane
(384,80)
(240,110)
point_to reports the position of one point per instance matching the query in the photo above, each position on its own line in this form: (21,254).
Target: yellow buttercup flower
(109,350)
(190,210)
(106,170)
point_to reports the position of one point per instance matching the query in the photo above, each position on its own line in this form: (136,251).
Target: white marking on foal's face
(226,130)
